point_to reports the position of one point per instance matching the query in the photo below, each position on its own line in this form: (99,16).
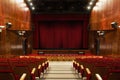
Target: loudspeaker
(8,25)
(114,25)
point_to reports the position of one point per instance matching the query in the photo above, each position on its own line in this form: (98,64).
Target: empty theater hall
(59,40)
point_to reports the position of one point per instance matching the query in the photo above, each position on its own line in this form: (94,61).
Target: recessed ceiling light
(91,3)
(89,7)
(29,0)
(33,8)
(31,4)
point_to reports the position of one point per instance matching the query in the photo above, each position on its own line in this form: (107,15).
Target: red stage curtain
(60,34)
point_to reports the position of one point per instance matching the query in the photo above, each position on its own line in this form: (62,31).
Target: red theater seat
(6,71)
(87,74)
(21,66)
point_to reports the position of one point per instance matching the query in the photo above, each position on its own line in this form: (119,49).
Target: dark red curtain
(60,34)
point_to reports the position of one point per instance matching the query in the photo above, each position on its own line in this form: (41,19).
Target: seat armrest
(23,76)
(98,77)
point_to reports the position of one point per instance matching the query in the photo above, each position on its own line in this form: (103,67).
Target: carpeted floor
(60,70)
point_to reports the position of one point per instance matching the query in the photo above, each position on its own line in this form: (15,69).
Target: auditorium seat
(15,67)
(108,68)
(20,66)
(8,75)
(35,61)
(87,74)
(39,70)
(6,71)
(79,68)
(82,70)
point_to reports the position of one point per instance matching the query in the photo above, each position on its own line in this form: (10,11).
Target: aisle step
(62,75)
(60,70)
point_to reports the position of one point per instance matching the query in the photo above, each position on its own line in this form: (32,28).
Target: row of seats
(22,68)
(101,68)
(68,57)
(61,57)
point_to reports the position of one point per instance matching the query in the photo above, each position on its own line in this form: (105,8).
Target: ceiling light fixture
(33,8)
(31,4)
(29,0)
(89,7)
(91,3)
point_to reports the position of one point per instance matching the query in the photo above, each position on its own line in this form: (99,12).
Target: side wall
(10,41)
(105,12)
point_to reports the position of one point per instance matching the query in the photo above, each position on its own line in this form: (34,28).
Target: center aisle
(60,70)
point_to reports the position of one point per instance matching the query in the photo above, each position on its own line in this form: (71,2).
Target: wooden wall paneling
(109,12)
(0,10)
(118,43)
(10,42)
(92,41)
(12,11)
(14,43)
(2,42)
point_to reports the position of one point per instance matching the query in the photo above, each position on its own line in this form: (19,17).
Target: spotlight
(101,33)
(8,25)
(114,25)
(21,33)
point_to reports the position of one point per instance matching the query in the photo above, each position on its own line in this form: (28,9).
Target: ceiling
(61,6)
